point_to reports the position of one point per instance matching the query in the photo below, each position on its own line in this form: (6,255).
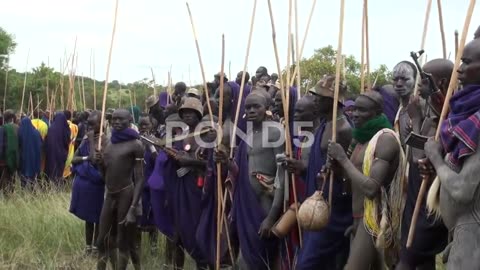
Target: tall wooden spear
(432,198)
(207,94)
(219,166)
(105,89)
(242,83)
(284,87)
(24,82)
(442,31)
(6,88)
(94,84)
(362,57)
(297,49)
(456,43)
(297,67)
(154,83)
(367,44)
(424,37)
(337,90)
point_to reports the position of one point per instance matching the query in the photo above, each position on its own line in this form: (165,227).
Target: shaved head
(376,98)
(439,68)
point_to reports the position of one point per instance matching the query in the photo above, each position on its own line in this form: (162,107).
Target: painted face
(120,119)
(363,111)
(403,79)
(469,70)
(304,110)
(278,105)
(190,117)
(144,125)
(255,108)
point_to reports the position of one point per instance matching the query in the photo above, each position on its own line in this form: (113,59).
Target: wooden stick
(297,64)
(230,71)
(456,43)
(336,93)
(201,66)
(219,166)
(312,9)
(442,31)
(367,44)
(284,95)
(242,83)
(153,78)
(71,78)
(47,89)
(94,85)
(424,37)
(451,88)
(83,94)
(6,88)
(30,104)
(24,83)
(105,89)
(362,57)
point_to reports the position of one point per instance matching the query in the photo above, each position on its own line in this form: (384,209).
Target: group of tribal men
(165,174)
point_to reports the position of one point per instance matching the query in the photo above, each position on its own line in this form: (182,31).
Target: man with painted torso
(455,159)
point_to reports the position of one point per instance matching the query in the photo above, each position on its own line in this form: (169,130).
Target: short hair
(68,114)
(376,97)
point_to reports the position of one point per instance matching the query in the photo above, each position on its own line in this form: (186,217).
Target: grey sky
(152,33)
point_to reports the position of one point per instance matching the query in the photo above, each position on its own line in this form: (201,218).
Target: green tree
(323,62)
(7,46)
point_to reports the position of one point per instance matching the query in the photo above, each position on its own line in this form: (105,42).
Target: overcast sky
(157,34)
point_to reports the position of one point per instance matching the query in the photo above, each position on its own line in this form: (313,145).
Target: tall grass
(38,232)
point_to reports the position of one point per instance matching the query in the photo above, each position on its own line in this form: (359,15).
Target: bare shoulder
(387,147)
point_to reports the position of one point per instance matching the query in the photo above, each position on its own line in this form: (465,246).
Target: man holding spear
(455,160)
(431,235)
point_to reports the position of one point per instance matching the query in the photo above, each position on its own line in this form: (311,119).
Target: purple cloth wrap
(320,248)
(162,211)
(164,99)
(207,228)
(185,197)
(30,144)
(461,130)
(57,143)
(88,188)
(248,214)
(147,213)
(390,105)
(124,135)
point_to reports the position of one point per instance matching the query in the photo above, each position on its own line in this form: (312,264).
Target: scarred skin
(123,174)
(459,192)
(363,253)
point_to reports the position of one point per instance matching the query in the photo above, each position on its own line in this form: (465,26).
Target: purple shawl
(88,188)
(242,122)
(164,99)
(460,131)
(30,143)
(207,228)
(248,214)
(162,210)
(184,196)
(390,105)
(124,135)
(57,143)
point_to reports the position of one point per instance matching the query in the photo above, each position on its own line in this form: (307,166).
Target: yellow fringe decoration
(382,215)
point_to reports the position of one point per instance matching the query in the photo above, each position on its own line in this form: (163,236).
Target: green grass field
(38,232)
